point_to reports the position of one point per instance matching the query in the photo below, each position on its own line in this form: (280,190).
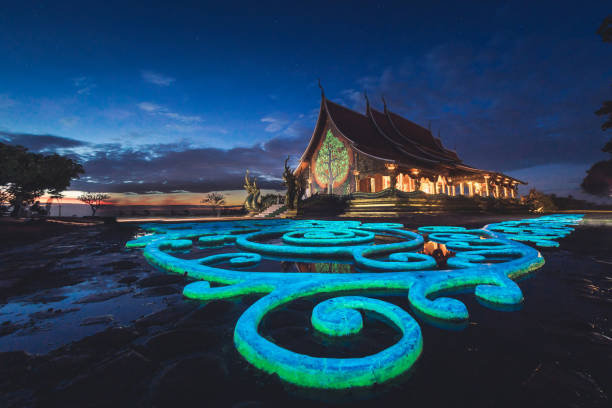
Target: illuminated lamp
(391,166)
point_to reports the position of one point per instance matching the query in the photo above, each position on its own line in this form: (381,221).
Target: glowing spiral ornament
(485,260)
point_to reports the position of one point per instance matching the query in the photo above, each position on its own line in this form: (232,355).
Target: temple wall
(353,171)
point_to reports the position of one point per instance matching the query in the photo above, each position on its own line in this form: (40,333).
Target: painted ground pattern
(487,260)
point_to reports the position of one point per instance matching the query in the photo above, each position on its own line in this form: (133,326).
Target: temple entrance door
(364,185)
(378,183)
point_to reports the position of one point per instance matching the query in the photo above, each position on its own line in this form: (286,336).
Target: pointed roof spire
(365,94)
(384,103)
(321,87)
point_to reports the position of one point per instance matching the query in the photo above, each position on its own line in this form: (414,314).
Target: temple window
(386,182)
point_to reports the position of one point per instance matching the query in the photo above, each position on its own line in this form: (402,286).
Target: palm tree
(215,200)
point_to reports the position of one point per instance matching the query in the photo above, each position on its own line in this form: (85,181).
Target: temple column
(461,188)
(470,188)
(310,192)
(487,185)
(356,174)
(513,192)
(496,190)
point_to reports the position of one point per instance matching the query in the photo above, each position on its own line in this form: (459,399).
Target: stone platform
(395,203)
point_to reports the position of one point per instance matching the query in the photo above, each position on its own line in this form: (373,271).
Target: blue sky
(182,96)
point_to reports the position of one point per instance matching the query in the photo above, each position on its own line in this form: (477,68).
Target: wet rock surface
(138,343)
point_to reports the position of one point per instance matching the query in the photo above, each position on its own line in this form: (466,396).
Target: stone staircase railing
(269,211)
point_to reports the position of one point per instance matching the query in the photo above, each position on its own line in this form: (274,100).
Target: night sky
(161,101)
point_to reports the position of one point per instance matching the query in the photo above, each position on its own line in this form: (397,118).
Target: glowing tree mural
(332,162)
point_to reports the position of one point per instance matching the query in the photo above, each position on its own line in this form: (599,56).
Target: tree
(296,186)
(290,182)
(58,197)
(215,200)
(605,29)
(539,202)
(26,176)
(94,200)
(332,161)
(300,188)
(598,180)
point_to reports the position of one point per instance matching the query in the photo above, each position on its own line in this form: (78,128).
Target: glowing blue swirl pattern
(542,231)
(485,259)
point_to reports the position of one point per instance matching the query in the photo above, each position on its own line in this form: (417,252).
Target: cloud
(503,108)
(299,126)
(84,85)
(183,128)
(6,101)
(116,114)
(167,168)
(155,109)
(181,118)
(540,178)
(156,78)
(149,107)
(40,143)
(79,81)
(69,122)
(274,124)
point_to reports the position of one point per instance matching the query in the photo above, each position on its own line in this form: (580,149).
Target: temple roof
(389,137)
(420,136)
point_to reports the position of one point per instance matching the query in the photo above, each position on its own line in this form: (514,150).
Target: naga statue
(253,200)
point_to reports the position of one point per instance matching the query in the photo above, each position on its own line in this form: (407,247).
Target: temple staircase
(395,203)
(272,211)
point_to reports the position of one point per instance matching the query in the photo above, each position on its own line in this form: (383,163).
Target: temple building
(350,152)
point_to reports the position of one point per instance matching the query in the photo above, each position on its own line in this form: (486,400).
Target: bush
(539,202)
(324,204)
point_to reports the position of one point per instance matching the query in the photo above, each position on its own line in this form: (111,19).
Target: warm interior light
(391,166)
